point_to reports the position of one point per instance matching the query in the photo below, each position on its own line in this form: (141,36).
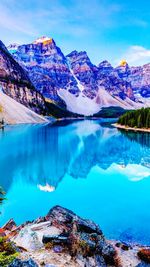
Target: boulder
(63,231)
(20,263)
(65,218)
(55,239)
(61,216)
(87,226)
(81,236)
(28,239)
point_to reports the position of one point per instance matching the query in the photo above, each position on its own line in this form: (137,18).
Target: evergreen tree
(137,118)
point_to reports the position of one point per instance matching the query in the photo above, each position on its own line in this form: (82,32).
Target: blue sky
(106,29)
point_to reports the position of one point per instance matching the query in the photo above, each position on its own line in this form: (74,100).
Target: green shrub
(5,259)
(7,251)
(6,246)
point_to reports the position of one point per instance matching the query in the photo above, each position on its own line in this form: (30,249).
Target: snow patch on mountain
(80,86)
(87,107)
(80,105)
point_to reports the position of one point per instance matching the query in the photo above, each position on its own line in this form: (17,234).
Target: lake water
(87,166)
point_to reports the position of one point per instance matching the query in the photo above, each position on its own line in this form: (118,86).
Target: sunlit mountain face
(87,166)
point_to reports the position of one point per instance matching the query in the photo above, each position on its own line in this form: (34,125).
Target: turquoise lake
(88,166)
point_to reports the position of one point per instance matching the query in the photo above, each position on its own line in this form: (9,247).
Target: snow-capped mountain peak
(44,40)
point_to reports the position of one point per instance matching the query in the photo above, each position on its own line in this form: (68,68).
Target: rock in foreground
(64,239)
(62,234)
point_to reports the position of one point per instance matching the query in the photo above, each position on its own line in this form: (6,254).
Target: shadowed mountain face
(15,83)
(43,155)
(73,81)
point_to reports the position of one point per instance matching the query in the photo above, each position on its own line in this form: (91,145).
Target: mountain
(140,80)
(72,82)
(14,82)
(47,68)
(115,82)
(13,112)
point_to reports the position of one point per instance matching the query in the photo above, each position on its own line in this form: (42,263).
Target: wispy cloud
(101,27)
(136,55)
(140,23)
(15,21)
(75,18)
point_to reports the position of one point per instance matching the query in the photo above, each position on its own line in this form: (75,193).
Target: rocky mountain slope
(15,83)
(12,112)
(139,78)
(73,81)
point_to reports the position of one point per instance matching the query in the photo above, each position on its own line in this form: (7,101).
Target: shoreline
(127,128)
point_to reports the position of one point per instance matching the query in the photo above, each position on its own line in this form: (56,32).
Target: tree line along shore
(137,119)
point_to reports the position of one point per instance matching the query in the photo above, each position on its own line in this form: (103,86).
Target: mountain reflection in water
(43,155)
(43,158)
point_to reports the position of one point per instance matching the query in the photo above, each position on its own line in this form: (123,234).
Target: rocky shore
(62,238)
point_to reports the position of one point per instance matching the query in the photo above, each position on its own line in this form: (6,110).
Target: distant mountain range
(39,75)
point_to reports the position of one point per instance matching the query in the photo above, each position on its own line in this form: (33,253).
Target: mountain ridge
(78,85)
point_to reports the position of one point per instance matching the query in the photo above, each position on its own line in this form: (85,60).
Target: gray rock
(62,215)
(108,252)
(20,263)
(66,218)
(56,239)
(101,244)
(99,261)
(88,226)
